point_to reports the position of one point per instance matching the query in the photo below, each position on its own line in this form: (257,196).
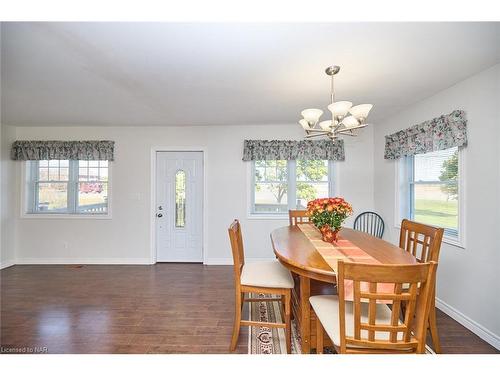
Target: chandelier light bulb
(305,124)
(361,111)
(312,115)
(326,125)
(339,109)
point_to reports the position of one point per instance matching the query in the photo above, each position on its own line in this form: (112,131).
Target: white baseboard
(488,336)
(83,261)
(6,264)
(229,261)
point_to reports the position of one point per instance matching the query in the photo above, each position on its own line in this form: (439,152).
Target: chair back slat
(370,222)
(389,335)
(236,240)
(298,217)
(421,240)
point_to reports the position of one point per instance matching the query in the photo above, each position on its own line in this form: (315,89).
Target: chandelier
(346,119)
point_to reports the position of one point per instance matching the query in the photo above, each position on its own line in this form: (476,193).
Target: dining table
(312,262)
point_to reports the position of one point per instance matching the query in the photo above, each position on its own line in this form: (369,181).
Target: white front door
(179,206)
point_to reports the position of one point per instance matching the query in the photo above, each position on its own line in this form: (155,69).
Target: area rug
(264,340)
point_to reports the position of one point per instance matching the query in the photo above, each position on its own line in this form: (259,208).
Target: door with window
(179,206)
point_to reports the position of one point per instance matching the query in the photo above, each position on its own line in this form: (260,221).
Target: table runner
(344,250)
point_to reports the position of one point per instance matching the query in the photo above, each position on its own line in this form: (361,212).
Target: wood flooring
(164,308)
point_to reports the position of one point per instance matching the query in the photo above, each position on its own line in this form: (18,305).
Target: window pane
(93,197)
(83,174)
(103,174)
(53,163)
(64,163)
(434,206)
(54,174)
(93,174)
(271,197)
(312,181)
(437,165)
(83,163)
(180,199)
(436,188)
(103,163)
(63,174)
(52,197)
(43,174)
(43,163)
(271,186)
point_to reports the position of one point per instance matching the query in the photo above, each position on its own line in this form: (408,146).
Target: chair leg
(433,328)
(288,328)
(237,322)
(319,337)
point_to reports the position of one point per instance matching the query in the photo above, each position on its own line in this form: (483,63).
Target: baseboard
(7,263)
(84,261)
(229,261)
(488,336)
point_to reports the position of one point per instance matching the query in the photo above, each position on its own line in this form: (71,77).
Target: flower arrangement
(328,214)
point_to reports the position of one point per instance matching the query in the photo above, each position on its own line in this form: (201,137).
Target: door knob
(159,215)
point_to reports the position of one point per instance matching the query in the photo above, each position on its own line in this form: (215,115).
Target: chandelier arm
(352,128)
(315,135)
(319,131)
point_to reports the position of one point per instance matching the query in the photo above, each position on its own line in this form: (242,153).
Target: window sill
(453,241)
(251,216)
(66,216)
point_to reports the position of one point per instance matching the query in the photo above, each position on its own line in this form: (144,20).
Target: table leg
(305,308)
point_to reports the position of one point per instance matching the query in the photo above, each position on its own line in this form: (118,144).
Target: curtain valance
(63,150)
(291,150)
(439,133)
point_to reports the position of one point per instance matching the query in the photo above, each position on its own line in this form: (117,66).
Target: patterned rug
(264,340)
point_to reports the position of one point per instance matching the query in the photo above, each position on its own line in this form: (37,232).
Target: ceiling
(139,74)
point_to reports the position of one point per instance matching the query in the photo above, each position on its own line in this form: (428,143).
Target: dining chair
(424,243)
(365,326)
(298,217)
(267,277)
(370,222)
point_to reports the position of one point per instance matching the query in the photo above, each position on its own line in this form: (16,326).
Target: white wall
(126,237)
(7,198)
(468,279)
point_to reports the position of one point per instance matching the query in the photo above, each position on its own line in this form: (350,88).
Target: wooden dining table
(314,276)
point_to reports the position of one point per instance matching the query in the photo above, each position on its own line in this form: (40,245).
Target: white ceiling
(228,74)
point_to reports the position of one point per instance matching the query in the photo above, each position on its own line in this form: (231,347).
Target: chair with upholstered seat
(261,277)
(298,217)
(365,326)
(370,222)
(424,243)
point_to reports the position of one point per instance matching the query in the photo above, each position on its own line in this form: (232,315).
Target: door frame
(152,211)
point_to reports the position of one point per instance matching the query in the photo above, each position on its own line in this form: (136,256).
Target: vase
(329,234)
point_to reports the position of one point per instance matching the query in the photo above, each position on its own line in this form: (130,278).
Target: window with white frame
(67,187)
(280,185)
(430,187)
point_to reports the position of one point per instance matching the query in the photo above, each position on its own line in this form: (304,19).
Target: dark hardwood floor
(165,308)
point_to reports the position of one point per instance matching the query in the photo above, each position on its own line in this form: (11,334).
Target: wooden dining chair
(268,277)
(424,243)
(370,222)
(298,217)
(365,326)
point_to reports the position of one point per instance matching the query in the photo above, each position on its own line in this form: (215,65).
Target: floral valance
(292,150)
(439,133)
(63,150)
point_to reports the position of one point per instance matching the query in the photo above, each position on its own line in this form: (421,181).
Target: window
(430,190)
(280,185)
(180,199)
(67,187)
